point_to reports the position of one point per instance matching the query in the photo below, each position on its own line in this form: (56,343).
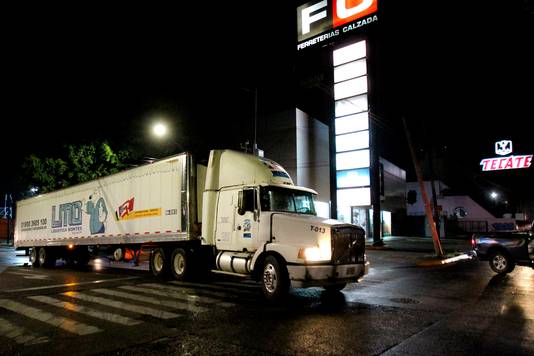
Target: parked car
(505,250)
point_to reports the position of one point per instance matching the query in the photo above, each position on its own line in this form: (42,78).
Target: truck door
(246,220)
(237,220)
(225,222)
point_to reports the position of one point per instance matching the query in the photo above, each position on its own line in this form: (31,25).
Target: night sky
(462,77)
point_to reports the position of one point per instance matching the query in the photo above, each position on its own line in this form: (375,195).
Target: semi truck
(240,214)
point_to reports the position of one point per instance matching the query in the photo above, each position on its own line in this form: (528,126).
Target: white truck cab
(260,223)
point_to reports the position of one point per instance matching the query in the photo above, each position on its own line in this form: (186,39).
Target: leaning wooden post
(428,210)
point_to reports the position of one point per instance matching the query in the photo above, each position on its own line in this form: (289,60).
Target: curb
(448,260)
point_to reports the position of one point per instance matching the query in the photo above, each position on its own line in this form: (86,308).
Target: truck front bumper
(302,276)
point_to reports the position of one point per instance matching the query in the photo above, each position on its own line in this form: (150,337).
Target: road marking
(19,334)
(218,291)
(114,318)
(120,305)
(41,315)
(70,284)
(215,286)
(29,275)
(175,293)
(140,298)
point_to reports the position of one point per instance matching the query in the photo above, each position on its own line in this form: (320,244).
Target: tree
(78,164)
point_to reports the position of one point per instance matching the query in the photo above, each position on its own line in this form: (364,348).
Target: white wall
(313,161)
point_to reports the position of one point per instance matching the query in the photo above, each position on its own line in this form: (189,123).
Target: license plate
(351,270)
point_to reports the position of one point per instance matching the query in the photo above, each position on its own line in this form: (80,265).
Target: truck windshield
(290,200)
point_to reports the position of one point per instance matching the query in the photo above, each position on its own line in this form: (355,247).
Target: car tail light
(473,242)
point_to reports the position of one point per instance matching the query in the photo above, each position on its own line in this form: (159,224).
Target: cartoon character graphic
(98,213)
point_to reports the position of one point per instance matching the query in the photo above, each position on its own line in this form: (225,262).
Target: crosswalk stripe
(140,298)
(215,286)
(179,295)
(218,291)
(41,315)
(19,334)
(114,318)
(120,305)
(180,288)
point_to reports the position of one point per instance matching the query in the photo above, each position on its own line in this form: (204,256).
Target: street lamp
(159,129)
(494,195)
(163,133)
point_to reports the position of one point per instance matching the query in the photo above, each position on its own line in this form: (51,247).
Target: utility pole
(428,210)
(434,196)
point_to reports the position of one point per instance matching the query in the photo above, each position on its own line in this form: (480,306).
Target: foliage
(78,164)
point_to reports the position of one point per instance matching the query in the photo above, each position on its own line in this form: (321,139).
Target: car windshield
(289,200)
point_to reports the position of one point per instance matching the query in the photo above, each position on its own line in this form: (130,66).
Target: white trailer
(240,215)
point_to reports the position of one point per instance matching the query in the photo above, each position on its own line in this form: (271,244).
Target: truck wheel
(159,264)
(179,264)
(118,254)
(34,259)
(275,279)
(46,258)
(501,263)
(335,287)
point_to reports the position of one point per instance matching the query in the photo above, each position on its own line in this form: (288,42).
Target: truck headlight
(323,252)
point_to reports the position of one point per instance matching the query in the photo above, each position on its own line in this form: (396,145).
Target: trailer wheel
(159,263)
(34,260)
(46,258)
(275,279)
(180,264)
(118,254)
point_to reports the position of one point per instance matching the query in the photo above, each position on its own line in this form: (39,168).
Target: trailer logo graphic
(98,213)
(126,211)
(67,217)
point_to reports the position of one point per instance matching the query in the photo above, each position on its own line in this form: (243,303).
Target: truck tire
(501,262)
(180,264)
(335,287)
(34,258)
(46,257)
(118,254)
(159,264)
(274,279)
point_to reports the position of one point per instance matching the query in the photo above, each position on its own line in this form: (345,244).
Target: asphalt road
(398,309)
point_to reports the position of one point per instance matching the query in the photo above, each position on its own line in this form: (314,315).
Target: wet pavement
(400,308)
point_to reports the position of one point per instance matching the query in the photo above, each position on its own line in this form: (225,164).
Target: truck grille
(348,245)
